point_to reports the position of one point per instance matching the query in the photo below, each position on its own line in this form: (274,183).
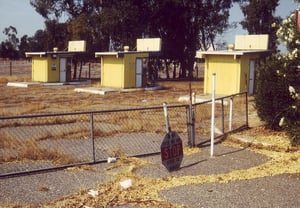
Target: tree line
(184,26)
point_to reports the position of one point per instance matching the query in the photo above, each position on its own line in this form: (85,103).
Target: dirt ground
(257,158)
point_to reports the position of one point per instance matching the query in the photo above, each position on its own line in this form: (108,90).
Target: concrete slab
(103,91)
(53,84)
(94,90)
(21,84)
(201,98)
(68,83)
(79,82)
(27,84)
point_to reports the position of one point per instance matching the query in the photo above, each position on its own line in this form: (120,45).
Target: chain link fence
(15,67)
(231,114)
(49,141)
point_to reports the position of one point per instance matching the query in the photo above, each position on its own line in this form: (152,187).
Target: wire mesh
(34,142)
(230,114)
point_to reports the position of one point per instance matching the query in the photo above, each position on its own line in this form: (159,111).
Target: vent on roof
(77,46)
(251,42)
(148,44)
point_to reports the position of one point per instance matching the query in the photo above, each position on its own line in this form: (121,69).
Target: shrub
(277,97)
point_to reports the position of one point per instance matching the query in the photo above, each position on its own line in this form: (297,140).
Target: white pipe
(230,113)
(212,130)
(166,117)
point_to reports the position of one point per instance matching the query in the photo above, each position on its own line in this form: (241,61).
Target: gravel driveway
(273,191)
(276,191)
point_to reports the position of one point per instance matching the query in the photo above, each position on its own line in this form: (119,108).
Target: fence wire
(38,142)
(231,113)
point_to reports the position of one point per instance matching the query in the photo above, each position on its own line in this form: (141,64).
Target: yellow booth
(235,67)
(123,69)
(50,66)
(54,66)
(127,69)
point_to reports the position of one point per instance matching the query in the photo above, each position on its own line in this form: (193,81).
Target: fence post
(89,70)
(165,107)
(223,116)
(191,119)
(92,135)
(230,113)
(247,124)
(10,68)
(212,129)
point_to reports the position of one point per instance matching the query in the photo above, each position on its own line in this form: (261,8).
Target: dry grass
(30,150)
(40,99)
(144,191)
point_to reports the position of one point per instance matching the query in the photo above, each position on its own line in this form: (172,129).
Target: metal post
(212,129)
(191,119)
(188,125)
(89,70)
(10,68)
(223,116)
(247,122)
(168,128)
(92,135)
(230,113)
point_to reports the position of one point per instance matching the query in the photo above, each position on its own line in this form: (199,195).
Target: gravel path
(272,191)
(41,188)
(226,159)
(276,191)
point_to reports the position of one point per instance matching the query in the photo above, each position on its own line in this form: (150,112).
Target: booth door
(139,73)
(62,69)
(251,77)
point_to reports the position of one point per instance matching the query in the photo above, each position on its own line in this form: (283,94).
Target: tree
(277,99)
(184,25)
(187,26)
(9,47)
(39,41)
(56,33)
(24,46)
(259,17)
(124,21)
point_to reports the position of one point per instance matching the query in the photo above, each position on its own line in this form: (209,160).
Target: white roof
(30,54)
(200,54)
(41,54)
(121,53)
(99,54)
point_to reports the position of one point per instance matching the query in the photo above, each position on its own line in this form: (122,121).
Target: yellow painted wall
(244,78)
(43,69)
(39,69)
(130,68)
(232,75)
(112,71)
(129,65)
(245,71)
(53,69)
(119,72)
(227,74)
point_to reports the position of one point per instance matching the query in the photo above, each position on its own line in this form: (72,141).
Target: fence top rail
(88,112)
(233,95)
(222,98)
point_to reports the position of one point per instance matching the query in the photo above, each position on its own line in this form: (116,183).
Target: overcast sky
(21,15)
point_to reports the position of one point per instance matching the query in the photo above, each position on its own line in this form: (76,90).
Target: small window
(53,67)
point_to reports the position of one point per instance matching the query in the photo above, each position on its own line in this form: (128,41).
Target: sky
(21,15)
